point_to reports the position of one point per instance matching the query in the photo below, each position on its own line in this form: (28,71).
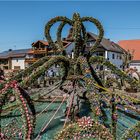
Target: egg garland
(84,127)
(115,70)
(27,122)
(132,133)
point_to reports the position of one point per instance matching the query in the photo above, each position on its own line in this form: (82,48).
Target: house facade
(108,49)
(134,47)
(135,64)
(13,59)
(39,49)
(18,63)
(23,58)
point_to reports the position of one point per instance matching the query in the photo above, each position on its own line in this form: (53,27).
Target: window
(90,44)
(3,62)
(17,67)
(99,54)
(134,64)
(113,56)
(5,67)
(120,57)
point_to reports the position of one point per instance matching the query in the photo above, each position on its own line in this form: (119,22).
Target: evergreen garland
(79,65)
(101,32)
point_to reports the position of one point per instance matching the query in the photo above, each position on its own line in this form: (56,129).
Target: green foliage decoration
(101,32)
(30,69)
(50,24)
(84,128)
(80,65)
(28,119)
(56,60)
(133,133)
(117,71)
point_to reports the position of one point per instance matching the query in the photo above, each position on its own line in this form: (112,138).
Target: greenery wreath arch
(27,118)
(89,75)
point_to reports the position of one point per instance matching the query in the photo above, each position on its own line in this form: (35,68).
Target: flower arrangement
(84,128)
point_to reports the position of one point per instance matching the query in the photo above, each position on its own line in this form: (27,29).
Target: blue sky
(23,22)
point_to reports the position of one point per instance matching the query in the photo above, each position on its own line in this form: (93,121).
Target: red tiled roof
(132,45)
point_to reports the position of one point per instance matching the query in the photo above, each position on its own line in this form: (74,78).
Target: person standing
(51,75)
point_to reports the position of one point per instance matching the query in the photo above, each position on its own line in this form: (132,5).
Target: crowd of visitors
(47,77)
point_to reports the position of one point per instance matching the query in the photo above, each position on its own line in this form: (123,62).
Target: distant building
(39,49)
(13,59)
(108,49)
(134,47)
(23,58)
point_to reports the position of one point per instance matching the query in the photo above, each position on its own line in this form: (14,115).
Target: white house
(13,59)
(108,49)
(135,64)
(18,63)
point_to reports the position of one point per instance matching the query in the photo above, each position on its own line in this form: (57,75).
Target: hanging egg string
(12,85)
(114,101)
(24,110)
(119,96)
(97,110)
(132,133)
(78,31)
(125,100)
(122,74)
(15,132)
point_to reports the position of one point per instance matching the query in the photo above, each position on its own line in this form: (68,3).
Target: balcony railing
(31,60)
(40,51)
(3,63)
